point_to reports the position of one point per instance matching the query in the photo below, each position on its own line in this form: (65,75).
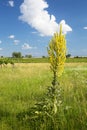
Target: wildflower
(57,52)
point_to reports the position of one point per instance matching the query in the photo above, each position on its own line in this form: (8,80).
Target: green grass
(76,60)
(42,60)
(23,85)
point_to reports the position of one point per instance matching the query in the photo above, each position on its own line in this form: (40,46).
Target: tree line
(19,55)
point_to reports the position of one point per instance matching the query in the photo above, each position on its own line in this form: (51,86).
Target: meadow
(24,84)
(42,60)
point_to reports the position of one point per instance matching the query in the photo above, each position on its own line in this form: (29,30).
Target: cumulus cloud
(11,3)
(35,14)
(0,41)
(26,46)
(16,42)
(11,37)
(65,26)
(84,27)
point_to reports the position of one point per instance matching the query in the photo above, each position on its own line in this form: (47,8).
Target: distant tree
(68,55)
(43,56)
(16,55)
(22,56)
(76,57)
(28,56)
(2,56)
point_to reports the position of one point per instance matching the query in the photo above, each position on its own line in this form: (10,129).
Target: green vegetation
(75,60)
(46,110)
(4,62)
(23,85)
(27,60)
(43,60)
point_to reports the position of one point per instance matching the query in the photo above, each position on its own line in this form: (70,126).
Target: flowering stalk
(57,56)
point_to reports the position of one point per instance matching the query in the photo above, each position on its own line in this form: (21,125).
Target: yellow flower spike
(57,52)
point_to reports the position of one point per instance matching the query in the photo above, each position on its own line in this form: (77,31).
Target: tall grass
(23,85)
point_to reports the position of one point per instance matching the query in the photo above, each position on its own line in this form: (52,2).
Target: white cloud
(1,49)
(65,27)
(26,46)
(0,41)
(11,37)
(84,27)
(16,42)
(11,3)
(35,14)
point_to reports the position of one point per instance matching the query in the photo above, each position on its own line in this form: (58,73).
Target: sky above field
(27,26)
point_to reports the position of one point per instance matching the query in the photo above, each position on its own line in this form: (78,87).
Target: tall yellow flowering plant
(46,110)
(48,107)
(57,54)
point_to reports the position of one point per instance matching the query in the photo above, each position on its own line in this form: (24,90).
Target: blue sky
(26,26)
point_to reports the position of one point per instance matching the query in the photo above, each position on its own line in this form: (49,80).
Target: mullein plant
(57,54)
(57,57)
(46,109)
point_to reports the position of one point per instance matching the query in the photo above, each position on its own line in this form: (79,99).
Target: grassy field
(23,85)
(42,60)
